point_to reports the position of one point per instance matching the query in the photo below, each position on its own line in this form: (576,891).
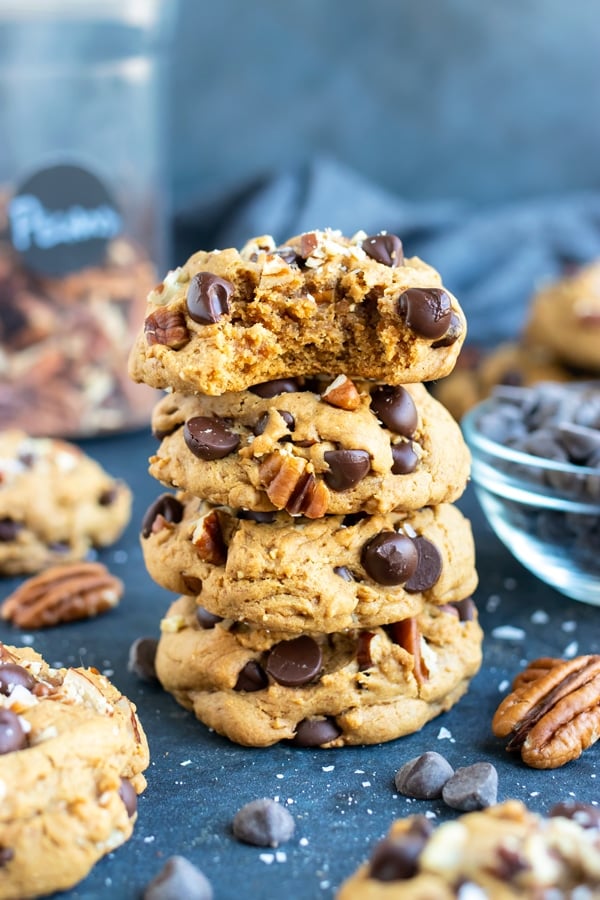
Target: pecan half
(342,393)
(168,327)
(290,485)
(63,593)
(553,712)
(208,539)
(406,634)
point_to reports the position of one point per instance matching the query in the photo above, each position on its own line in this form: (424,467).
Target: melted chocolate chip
(296,662)
(208,298)
(209,438)
(166,506)
(59,546)
(193,584)
(207,620)
(396,409)
(269,389)
(465,609)
(6,854)
(315,732)
(128,796)
(429,566)
(385,249)
(390,558)
(427,312)
(9,529)
(344,573)
(285,415)
(251,678)
(397,859)
(12,675)
(453,333)
(405,460)
(363,650)
(346,468)
(264,518)
(353,519)
(142,658)
(12,736)
(288,254)
(108,497)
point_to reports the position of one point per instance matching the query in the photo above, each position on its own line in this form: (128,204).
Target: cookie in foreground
(505,852)
(72,757)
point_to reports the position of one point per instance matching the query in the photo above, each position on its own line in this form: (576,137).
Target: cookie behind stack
(326,574)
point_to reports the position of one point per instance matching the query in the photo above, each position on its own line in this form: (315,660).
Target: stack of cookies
(326,575)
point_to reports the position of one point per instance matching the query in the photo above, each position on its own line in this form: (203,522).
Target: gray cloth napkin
(492,259)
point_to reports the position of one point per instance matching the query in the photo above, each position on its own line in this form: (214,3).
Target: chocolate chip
(207,620)
(455,329)
(12,736)
(315,732)
(466,609)
(423,777)
(353,519)
(252,515)
(426,311)
(263,421)
(390,558)
(288,254)
(472,787)
(397,859)
(128,796)
(142,657)
(209,438)
(263,823)
(405,460)
(179,879)
(586,815)
(429,566)
(208,298)
(193,584)
(269,389)
(166,506)
(9,529)
(344,572)
(108,497)
(251,678)
(12,675)
(6,854)
(384,248)
(347,468)
(60,547)
(363,650)
(295,662)
(396,409)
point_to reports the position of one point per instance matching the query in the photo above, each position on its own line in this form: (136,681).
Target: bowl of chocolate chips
(536,471)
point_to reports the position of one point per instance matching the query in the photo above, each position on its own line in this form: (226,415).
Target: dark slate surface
(342,800)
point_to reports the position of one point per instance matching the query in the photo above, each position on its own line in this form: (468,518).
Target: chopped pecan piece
(290,485)
(342,393)
(406,634)
(553,712)
(168,327)
(208,539)
(63,593)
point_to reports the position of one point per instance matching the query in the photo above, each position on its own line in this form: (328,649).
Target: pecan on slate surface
(553,712)
(290,485)
(63,593)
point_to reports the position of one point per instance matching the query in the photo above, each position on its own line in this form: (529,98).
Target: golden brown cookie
(297,574)
(339,448)
(321,302)
(258,687)
(55,503)
(504,852)
(72,754)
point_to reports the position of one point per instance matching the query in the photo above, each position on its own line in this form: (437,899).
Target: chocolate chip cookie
(340,447)
(55,503)
(298,574)
(321,302)
(258,687)
(505,852)
(72,754)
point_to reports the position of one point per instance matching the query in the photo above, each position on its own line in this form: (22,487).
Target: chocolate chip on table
(472,787)
(252,678)
(12,735)
(206,619)
(209,438)
(586,815)
(268,389)
(167,506)
(423,777)
(314,732)
(395,408)
(208,298)
(405,460)
(347,468)
(390,558)
(128,796)
(13,675)
(142,657)
(179,879)
(397,858)
(295,662)
(263,823)
(429,566)
(426,311)
(384,248)
(9,529)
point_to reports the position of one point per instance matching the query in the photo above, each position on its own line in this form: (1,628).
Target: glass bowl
(547,513)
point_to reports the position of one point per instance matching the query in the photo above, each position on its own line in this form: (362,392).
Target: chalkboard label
(61,220)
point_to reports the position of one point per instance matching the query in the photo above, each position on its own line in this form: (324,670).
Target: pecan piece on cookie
(553,712)
(63,593)
(291,486)
(168,327)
